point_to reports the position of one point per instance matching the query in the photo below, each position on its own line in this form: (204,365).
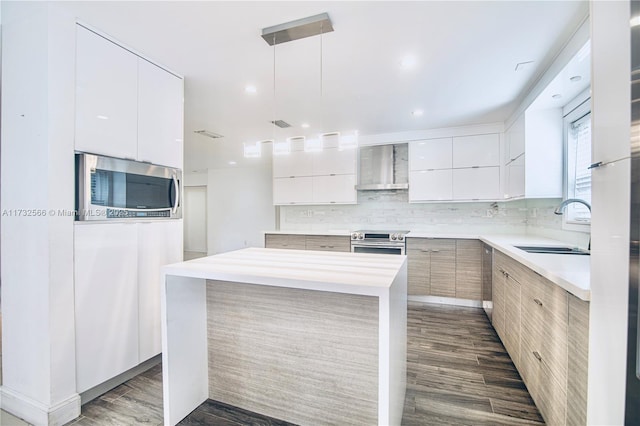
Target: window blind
(579,174)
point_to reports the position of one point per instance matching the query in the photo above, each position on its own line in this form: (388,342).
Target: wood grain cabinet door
(443,267)
(469,269)
(497,292)
(328,243)
(418,267)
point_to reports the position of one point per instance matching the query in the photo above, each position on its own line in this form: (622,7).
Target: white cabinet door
(106,301)
(339,189)
(296,163)
(293,190)
(106,97)
(515,139)
(160,116)
(515,175)
(159,244)
(476,151)
(432,185)
(430,154)
(333,161)
(482,183)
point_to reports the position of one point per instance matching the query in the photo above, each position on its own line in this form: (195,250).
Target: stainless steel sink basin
(553,250)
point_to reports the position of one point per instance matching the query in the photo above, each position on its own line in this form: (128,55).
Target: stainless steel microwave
(114,189)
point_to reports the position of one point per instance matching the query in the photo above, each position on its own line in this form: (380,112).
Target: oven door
(377,248)
(111,188)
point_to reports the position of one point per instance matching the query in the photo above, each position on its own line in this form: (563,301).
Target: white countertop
(571,272)
(338,232)
(353,273)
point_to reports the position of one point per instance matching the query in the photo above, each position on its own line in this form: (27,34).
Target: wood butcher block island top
(303,336)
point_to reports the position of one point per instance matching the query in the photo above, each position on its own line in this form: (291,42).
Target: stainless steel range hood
(383,167)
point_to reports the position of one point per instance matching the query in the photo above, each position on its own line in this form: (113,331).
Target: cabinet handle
(595,165)
(330,246)
(291,177)
(323,246)
(475,167)
(538,302)
(537,355)
(424,251)
(435,250)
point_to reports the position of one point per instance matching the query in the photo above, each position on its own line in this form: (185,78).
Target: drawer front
(517,270)
(549,394)
(545,312)
(418,263)
(419,243)
(285,241)
(328,243)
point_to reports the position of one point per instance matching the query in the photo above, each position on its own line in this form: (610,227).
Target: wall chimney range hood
(383,167)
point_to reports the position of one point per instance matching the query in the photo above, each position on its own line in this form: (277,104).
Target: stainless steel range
(379,242)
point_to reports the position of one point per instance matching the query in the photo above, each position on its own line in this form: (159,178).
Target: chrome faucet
(565,203)
(568,201)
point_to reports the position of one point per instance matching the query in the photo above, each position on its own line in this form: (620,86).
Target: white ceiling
(466,54)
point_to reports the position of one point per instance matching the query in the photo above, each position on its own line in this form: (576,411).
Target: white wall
(240,206)
(195,219)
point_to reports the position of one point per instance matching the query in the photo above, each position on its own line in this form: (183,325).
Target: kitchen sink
(553,250)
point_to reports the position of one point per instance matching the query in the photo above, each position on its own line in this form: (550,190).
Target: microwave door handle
(177,188)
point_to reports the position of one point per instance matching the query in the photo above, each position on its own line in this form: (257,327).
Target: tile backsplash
(391,210)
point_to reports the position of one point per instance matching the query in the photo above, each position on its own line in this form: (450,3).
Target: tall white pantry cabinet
(126,107)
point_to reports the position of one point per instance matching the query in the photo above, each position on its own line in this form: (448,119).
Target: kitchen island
(303,336)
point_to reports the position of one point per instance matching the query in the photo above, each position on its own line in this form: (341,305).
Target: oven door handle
(176,185)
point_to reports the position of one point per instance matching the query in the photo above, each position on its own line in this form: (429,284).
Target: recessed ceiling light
(417,112)
(408,62)
(305,125)
(250,89)
(557,96)
(102,117)
(575,78)
(232,163)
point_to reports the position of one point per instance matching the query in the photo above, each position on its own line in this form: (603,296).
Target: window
(578,159)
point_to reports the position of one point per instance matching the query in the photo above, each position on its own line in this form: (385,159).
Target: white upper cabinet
(296,163)
(431,185)
(126,107)
(324,177)
(106,97)
(476,151)
(482,183)
(160,115)
(431,154)
(536,173)
(338,189)
(293,190)
(332,161)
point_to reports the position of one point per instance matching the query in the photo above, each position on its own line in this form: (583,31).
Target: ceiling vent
(281,123)
(208,134)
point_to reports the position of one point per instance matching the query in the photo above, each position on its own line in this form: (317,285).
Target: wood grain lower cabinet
(431,267)
(328,243)
(578,348)
(308,242)
(285,241)
(469,269)
(545,331)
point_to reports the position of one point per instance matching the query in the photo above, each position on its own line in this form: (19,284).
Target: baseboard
(36,413)
(446,301)
(102,388)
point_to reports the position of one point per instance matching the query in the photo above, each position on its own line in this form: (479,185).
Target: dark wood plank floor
(458,374)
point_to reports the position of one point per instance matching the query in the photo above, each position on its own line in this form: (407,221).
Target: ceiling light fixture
(408,62)
(348,141)
(208,134)
(253,150)
(635,21)
(417,112)
(575,78)
(232,163)
(282,147)
(557,96)
(305,125)
(250,89)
